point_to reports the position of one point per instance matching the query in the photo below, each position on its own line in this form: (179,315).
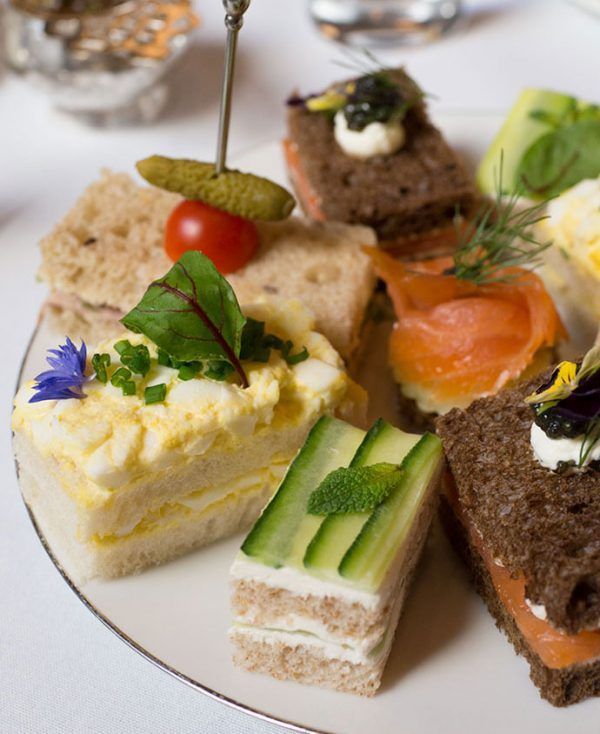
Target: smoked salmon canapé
(521,504)
(456,340)
(364,151)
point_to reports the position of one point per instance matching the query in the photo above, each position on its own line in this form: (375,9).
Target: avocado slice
(282,532)
(383,443)
(368,559)
(516,135)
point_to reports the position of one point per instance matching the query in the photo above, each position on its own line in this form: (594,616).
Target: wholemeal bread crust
(538,523)
(413,190)
(305,665)
(561,687)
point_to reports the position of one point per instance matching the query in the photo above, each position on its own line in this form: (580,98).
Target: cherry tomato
(229,241)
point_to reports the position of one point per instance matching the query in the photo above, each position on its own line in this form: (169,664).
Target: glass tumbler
(383,22)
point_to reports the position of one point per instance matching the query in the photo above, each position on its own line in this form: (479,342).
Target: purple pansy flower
(66,378)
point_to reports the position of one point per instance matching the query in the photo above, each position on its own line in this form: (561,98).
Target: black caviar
(556,425)
(375,98)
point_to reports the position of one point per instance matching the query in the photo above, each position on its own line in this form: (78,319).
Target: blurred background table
(60,669)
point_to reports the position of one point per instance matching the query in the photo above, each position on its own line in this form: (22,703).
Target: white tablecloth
(60,669)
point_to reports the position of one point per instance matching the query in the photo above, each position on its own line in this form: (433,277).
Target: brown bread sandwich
(366,152)
(522,507)
(99,258)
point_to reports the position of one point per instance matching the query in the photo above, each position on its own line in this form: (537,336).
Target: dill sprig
(590,441)
(502,237)
(361,61)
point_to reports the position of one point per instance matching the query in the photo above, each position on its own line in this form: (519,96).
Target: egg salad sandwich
(319,583)
(572,266)
(472,323)
(120,236)
(177,432)
(521,503)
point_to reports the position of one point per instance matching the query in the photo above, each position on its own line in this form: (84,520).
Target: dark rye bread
(561,687)
(414,190)
(411,418)
(542,524)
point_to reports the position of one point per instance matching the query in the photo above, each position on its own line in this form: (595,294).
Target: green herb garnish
(568,153)
(122,378)
(297,358)
(217,370)
(257,345)
(137,358)
(560,159)
(500,238)
(155,393)
(590,439)
(189,370)
(253,347)
(354,489)
(192,314)
(163,358)
(100,363)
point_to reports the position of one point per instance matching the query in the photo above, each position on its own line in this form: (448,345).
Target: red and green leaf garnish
(192,314)
(194,318)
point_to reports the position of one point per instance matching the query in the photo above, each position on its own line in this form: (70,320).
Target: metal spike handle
(234,20)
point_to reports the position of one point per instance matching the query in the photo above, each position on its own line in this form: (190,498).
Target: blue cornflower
(66,378)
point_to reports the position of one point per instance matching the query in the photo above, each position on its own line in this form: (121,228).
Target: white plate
(450,669)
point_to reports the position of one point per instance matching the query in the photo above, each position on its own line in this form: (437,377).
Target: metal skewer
(234,20)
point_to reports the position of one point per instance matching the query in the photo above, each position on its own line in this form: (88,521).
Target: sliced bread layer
(101,256)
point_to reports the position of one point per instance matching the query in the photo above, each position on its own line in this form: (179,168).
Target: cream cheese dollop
(550,451)
(376,138)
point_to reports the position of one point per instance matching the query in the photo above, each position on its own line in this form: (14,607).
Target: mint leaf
(561,158)
(354,489)
(192,314)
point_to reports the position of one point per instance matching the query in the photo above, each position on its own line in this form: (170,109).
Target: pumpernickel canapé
(416,189)
(540,526)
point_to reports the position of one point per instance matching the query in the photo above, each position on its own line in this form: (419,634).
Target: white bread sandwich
(100,257)
(320,581)
(178,432)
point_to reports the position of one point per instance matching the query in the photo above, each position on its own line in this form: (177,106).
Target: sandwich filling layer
(556,649)
(117,473)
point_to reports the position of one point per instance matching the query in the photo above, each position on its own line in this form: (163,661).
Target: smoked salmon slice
(556,649)
(308,198)
(455,340)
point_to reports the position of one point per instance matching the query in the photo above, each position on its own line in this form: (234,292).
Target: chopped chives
(100,362)
(155,393)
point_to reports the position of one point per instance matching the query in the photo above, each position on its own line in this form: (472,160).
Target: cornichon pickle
(241,194)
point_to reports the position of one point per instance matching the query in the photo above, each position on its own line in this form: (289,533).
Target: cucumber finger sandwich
(319,583)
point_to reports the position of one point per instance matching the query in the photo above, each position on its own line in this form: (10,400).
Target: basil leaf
(354,489)
(192,314)
(560,159)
